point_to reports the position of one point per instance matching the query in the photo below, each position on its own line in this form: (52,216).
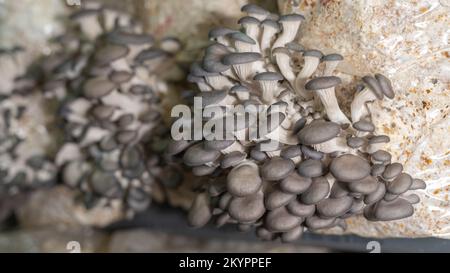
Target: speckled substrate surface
(408,42)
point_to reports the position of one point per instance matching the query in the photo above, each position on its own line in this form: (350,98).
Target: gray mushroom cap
(364,126)
(299,209)
(400,184)
(219,32)
(196,155)
(213,56)
(102,111)
(110,53)
(385,85)
(212,97)
(367,185)
(294,183)
(268,76)
(280,220)
(311,168)
(392,170)
(375,196)
(247,209)
(248,20)
(318,190)
(355,142)
(389,211)
(177,146)
(313,53)
(349,168)
(382,156)
(120,76)
(292,17)
(277,198)
(239,88)
(104,184)
(292,235)
(320,83)
(291,152)
(418,184)
(276,168)
(334,207)
(332,57)
(315,222)
(318,131)
(149,54)
(294,46)
(377,169)
(373,84)
(217,145)
(311,153)
(203,170)
(121,37)
(242,37)
(258,155)
(241,58)
(252,8)
(243,180)
(97,87)
(271,23)
(379,139)
(338,190)
(197,71)
(232,159)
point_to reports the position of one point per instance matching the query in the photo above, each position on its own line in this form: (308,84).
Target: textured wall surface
(409,42)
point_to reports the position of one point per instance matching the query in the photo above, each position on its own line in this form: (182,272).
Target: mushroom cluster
(314,166)
(111,111)
(25,163)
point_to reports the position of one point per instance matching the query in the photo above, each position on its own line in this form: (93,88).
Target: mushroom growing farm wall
(408,41)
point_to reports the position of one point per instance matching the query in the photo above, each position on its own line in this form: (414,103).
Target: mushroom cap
(276,168)
(249,20)
(292,235)
(377,169)
(294,46)
(382,156)
(311,153)
(213,56)
(268,76)
(418,184)
(219,32)
(110,53)
(322,83)
(385,85)
(367,185)
(349,168)
(379,139)
(400,184)
(248,208)
(364,126)
(241,37)
(197,70)
(338,189)
(291,17)
(258,155)
(149,54)
(277,199)
(389,211)
(375,196)
(241,58)
(392,170)
(239,88)
(232,159)
(271,23)
(291,152)
(196,155)
(253,8)
(104,184)
(125,38)
(203,170)
(318,190)
(332,57)
(177,146)
(315,222)
(200,212)
(294,183)
(217,145)
(299,209)
(102,111)
(97,87)
(212,97)
(280,220)
(355,142)
(373,84)
(311,168)
(120,76)
(318,131)
(334,207)
(312,53)
(244,180)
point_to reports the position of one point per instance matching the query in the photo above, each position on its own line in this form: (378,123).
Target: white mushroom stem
(218,82)
(268,33)
(283,63)
(336,144)
(245,47)
(244,71)
(90,26)
(228,100)
(273,153)
(204,87)
(330,66)
(268,89)
(121,64)
(308,69)
(331,105)
(223,40)
(252,31)
(69,152)
(283,135)
(290,29)
(358,106)
(243,96)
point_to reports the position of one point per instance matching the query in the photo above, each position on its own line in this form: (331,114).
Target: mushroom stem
(358,106)
(336,144)
(290,29)
(283,63)
(331,105)
(218,82)
(308,69)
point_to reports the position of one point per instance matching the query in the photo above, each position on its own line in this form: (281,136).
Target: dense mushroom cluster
(24,158)
(111,109)
(319,167)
